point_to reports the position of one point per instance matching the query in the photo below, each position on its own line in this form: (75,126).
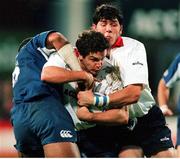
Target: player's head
(24,42)
(92,47)
(108,12)
(108,20)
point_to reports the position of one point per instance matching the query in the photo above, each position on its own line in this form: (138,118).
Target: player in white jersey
(129,55)
(91,46)
(170,77)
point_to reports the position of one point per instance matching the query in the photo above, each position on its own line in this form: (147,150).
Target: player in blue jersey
(42,125)
(170,77)
(129,56)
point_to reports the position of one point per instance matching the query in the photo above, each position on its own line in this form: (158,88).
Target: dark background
(155,23)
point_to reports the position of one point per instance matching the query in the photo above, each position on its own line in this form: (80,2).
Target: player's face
(110,28)
(92,63)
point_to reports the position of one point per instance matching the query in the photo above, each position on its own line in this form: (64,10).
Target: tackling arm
(55,74)
(109,117)
(64,49)
(118,99)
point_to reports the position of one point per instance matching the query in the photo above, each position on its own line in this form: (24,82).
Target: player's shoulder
(131,41)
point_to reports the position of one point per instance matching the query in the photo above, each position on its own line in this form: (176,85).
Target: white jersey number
(15,75)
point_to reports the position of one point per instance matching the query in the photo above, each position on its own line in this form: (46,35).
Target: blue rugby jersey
(27,84)
(172,74)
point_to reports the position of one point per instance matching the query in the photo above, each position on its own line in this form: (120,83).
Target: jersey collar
(118,43)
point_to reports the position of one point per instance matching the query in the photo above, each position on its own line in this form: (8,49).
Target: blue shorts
(150,133)
(41,122)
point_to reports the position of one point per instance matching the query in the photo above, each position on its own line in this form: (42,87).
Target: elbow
(135,97)
(44,76)
(123,118)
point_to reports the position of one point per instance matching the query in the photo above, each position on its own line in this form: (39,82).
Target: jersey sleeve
(55,60)
(135,69)
(39,42)
(172,74)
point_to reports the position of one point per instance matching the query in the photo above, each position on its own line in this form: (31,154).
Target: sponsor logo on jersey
(137,63)
(164,139)
(66,134)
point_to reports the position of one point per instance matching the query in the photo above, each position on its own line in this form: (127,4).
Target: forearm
(126,96)
(57,41)
(109,117)
(55,74)
(163,93)
(120,98)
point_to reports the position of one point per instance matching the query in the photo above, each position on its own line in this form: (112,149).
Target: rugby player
(91,48)
(170,77)
(42,125)
(129,55)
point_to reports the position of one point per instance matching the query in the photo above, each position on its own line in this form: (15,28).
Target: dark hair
(24,42)
(91,41)
(107,11)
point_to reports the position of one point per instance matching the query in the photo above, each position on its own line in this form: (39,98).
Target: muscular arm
(55,74)
(118,99)
(163,98)
(126,96)
(163,93)
(109,117)
(56,40)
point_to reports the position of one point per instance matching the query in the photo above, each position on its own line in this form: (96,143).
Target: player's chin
(94,73)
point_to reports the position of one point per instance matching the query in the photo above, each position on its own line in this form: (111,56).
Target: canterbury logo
(65,134)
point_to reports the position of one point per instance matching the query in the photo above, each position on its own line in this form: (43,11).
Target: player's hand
(166,111)
(84,114)
(89,81)
(85,98)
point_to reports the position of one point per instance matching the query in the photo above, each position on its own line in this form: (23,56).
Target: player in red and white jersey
(129,55)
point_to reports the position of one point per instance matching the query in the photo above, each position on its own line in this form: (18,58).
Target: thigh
(131,152)
(154,140)
(150,133)
(27,143)
(51,122)
(41,122)
(61,149)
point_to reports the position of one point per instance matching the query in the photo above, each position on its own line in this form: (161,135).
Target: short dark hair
(107,11)
(24,42)
(91,41)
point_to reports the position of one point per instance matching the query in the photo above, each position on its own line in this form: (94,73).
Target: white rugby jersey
(110,83)
(132,63)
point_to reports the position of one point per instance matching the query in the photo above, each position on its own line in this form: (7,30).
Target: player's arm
(163,98)
(57,41)
(118,99)
(109,117)
(54,74)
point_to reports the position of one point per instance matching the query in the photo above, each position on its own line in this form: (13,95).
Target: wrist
(164,108)
(101,101)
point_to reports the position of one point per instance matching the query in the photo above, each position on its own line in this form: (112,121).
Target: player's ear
(121,30)
(93,27)
(80,57)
